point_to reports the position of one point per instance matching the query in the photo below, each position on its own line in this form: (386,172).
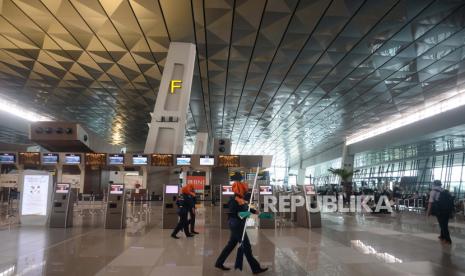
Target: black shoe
(174,236)
(261,270)
(222,267)
(189,235)
(194,232)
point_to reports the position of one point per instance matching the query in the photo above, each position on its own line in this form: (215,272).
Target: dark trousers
(192,219)
(183,224)
(236,226)
(443,221)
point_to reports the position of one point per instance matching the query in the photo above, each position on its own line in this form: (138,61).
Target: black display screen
(50,158)
(71,158)
(116,159)
(7,158)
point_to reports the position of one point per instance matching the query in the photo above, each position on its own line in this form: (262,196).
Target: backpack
(444,205)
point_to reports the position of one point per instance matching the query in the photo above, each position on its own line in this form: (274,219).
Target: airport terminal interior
(232,137)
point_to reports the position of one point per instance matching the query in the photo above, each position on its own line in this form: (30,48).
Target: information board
(35,195)
(183,160)
(207,160)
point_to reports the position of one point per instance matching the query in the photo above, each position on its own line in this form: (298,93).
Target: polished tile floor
(398,244)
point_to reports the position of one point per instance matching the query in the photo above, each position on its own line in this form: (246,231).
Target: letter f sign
(175,84)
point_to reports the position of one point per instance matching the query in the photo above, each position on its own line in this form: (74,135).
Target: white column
(167,128)
(201,143)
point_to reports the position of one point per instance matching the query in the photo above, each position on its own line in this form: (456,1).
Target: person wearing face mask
(184,203)
(192,209)
(238,206)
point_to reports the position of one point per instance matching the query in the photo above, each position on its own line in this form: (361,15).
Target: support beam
(167,128)
(201,143)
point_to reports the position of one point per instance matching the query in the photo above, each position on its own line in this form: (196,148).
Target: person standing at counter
(237,207)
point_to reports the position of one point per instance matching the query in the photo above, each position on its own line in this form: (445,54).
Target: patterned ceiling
(286,77)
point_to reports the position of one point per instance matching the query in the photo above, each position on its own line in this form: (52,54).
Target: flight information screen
(7,158)
(50,158)
(139,159)
(116,159)
(72,159)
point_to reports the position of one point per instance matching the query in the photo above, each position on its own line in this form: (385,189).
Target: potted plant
(344,174)
(346,177)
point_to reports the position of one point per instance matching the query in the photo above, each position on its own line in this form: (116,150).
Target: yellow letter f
(175,84)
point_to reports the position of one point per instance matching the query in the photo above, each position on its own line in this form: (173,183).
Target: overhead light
(21,112)
(415,116)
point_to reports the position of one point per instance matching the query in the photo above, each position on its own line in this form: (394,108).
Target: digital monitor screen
(228,161)
(171,189)
(62,188)
(183,160)
(266,190)
(227,190)
(7,158)
(139,159)
(71,159)
(116,189)
(116,159)
(162,160)
(207,160)
(309,190)
(50,158)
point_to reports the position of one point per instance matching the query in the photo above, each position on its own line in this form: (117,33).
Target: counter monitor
(29,158)
(228,161)
(171,189)
(50,158)
(116,189)
(266,190)
(96,159)
(162,160)
(207,160)
(72,159)
(7,158)
(116,159)
(183,160)
(310,190)
(227,190)
(139,159)
(62,188)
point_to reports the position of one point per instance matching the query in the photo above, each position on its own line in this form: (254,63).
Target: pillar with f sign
(167,128)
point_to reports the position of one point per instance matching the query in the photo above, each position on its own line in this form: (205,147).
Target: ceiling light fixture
(415,116)
(21,112)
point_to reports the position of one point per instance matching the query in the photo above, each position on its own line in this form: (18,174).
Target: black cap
(237,176)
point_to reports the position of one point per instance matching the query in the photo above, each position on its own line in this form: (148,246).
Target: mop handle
(251,200)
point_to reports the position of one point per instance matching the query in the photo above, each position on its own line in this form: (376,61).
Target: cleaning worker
(184,203)
(192,210)
(238,206)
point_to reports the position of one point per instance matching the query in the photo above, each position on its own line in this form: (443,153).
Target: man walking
(441,205)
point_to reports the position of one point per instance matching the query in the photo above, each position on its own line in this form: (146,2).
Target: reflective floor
(398,244)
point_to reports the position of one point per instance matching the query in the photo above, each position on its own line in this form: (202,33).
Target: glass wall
(413,167)
(278,175)
(319,175)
